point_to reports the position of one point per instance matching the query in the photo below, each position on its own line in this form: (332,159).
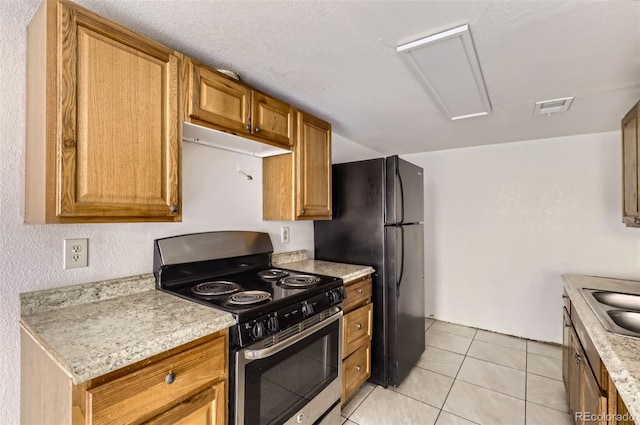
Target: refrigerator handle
(401,220)
(401,261)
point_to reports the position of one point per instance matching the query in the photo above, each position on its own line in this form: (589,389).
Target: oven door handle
(266,352)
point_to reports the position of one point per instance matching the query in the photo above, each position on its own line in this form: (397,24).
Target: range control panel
(285,317)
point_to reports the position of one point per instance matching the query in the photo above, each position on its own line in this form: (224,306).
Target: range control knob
(272,324)
(334,297)
(258,330)
(307,310)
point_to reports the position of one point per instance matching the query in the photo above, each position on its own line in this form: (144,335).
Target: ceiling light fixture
(552,106)
(448,66)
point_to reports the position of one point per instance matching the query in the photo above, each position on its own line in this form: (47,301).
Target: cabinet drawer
(144,393)
(357,329)
(358,292)
(356,369)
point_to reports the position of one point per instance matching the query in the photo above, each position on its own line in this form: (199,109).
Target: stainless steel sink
(618,312)
(629,320)
(618,300)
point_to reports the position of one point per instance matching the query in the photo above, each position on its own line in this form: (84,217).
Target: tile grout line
(549,407)
(455,379)
(360,404)
(466,355)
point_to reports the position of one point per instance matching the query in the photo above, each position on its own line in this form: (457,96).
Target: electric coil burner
(285,350)
(215,288)
(299,281)
(272,274)
(249,298)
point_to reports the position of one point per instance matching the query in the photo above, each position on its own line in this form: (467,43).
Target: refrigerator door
(356,235)
(404,277)
(405,192)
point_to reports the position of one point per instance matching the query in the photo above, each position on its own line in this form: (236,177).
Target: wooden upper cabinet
(630,163)
(297,186)
(103,125)
(217,101)
(272,119)
(313,148)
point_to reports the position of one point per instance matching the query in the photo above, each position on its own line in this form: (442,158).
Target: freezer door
(404,247)
(405,192)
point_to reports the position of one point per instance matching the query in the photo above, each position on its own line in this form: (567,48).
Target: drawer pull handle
(170,378)
(358,325)
(360,291)
(358,368)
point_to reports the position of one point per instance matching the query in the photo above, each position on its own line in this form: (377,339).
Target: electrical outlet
(285,236)
(76,253)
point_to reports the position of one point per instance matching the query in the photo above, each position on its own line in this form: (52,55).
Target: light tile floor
(468,376)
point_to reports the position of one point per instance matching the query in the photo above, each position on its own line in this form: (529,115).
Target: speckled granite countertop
(620,354)
(116,324)
(297,260)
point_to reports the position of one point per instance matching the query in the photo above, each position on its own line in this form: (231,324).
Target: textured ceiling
(338,60)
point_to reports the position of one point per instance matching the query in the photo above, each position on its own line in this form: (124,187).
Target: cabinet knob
(173,208)
(257,129)
(358,325)
(303,211)
(566,325)
(360,291)
(248,127)
(170,378)
(300,418)
(358,368)
(564,297)
(578,358)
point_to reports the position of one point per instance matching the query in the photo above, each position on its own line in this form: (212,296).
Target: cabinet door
(592,400)
(623,412)
(217,100)
(313,165)
(566,350)
(272,119)
(630,167)
(205,408)
(119,122)
(576,356)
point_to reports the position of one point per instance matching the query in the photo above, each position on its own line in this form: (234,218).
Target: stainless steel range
(284,362)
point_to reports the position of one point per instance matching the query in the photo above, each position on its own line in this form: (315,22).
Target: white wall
(504,222)
(345,150)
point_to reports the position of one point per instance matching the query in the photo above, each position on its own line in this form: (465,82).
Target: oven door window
(277,387)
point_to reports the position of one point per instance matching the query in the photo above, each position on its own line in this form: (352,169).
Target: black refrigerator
(378,210)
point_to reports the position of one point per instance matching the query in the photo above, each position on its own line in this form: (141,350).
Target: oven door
(297,378)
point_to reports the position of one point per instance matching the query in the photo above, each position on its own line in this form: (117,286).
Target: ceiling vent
(547,107)
(447,64)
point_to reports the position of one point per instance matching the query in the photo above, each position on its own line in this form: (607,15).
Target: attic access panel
(447,65)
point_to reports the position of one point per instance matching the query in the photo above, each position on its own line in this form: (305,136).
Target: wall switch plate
(76,253)
(285,235)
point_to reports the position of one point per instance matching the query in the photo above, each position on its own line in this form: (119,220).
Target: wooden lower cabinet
(185,385)
(356,336)
(591,394)
(205,408)
(356,369)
